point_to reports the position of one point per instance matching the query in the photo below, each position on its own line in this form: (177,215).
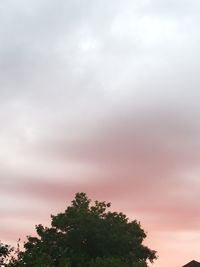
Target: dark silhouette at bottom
(192,264)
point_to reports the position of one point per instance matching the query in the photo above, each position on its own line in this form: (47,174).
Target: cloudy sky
(102,97)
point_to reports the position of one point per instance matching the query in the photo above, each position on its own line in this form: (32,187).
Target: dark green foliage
(113,262)
(87,235)
(5,250)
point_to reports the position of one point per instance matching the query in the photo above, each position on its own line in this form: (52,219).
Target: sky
(102,97)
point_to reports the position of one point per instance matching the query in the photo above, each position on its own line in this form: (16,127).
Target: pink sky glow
(102,97)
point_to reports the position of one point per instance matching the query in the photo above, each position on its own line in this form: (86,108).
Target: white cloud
(72,71)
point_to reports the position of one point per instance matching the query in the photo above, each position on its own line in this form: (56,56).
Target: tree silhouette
(86,235)
(4,253)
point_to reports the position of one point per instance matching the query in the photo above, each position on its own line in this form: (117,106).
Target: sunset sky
(102,96)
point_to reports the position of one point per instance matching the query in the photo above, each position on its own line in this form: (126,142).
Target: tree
(86,235)
(4,253)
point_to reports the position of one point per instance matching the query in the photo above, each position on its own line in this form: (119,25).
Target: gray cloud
(104,90)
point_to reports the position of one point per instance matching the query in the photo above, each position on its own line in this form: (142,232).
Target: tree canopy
(86,235)
(4,253)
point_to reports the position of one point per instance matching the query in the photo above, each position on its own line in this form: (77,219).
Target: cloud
(103,98)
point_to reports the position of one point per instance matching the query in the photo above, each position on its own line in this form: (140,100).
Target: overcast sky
(102,97)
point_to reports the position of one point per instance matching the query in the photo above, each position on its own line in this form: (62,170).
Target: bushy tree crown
(86,235)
